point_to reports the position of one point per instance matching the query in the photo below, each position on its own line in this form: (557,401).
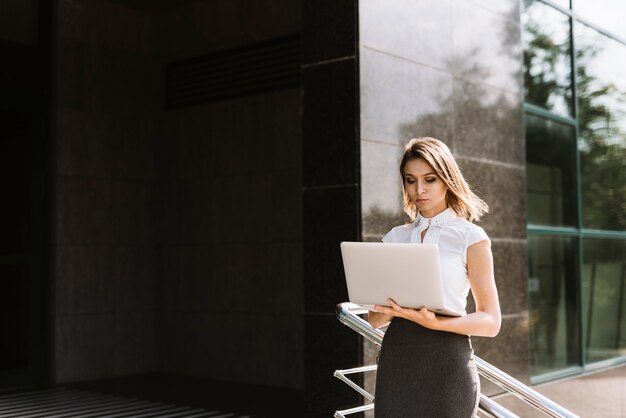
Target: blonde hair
(459,195)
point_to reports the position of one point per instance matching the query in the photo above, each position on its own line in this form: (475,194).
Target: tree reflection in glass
(604,274)
(601,90)
(553,304)
(547,58)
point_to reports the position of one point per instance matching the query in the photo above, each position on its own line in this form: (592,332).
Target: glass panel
(550,174)
(552,290)
(604,273)
(547,57)
(563,3)
(607,14)
(601,71)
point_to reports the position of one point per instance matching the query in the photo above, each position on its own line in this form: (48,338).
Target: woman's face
(425,189)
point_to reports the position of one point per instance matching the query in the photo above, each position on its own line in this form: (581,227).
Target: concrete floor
(599,394)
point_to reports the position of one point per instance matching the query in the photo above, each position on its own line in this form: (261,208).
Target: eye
(409,181)
(431,179)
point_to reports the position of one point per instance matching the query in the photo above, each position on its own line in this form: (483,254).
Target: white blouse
(453,236)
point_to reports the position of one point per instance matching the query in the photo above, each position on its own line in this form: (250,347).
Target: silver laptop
(410,274)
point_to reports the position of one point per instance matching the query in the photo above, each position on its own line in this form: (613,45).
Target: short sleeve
(398,234)
(476,234)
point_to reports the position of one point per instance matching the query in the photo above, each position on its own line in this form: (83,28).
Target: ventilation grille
(267,66)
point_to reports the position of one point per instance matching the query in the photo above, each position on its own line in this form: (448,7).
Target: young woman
(425,366)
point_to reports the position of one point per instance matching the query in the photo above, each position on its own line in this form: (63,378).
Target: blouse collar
(441,219)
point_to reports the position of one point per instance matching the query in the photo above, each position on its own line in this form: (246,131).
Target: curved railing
(348,314)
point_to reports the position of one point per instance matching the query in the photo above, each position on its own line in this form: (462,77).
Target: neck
(432,213)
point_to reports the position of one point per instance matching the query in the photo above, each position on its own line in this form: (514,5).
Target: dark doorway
(24,193)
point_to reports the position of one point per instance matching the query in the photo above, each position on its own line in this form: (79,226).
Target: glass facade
(552,289)
(606,14)
(575,95)
(550,172)
(547,63)
(601,91)
(604,273)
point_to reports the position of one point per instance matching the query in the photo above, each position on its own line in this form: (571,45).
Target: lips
(421,201)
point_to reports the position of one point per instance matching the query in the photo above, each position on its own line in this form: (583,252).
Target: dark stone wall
(104,252)
(178,237)
(230,255)
(331,210)
(204,241)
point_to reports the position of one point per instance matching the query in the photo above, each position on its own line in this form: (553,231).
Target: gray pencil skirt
(425,373)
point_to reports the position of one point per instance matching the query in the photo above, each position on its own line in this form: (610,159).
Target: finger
(390,311)
(393,304)
(380,308)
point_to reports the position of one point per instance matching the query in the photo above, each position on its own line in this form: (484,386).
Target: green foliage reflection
(602,140)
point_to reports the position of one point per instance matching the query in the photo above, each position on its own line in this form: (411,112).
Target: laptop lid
(410,274)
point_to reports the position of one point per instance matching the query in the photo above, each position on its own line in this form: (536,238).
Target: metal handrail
(348,315)
(487,406)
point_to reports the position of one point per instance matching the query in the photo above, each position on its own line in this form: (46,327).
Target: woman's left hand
(421,316)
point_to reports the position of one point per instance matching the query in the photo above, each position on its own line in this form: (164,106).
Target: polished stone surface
(329,121)
(502,187)
(401,99)
(132,279)
(83,346)
(231,220)
(509,259)
(135,335)
(85,211)
(105,165)
(133,212)
(286,131)
(286,206)
(83,279)
(507,8)
(101,211)
(330,217)
(194,201)
(487,123)
(381,188)
(329,346)
(416,30)
(285,268)
(194,28)
(487,47)
(190,348)
(170,222)
(330,194)
(328,30)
